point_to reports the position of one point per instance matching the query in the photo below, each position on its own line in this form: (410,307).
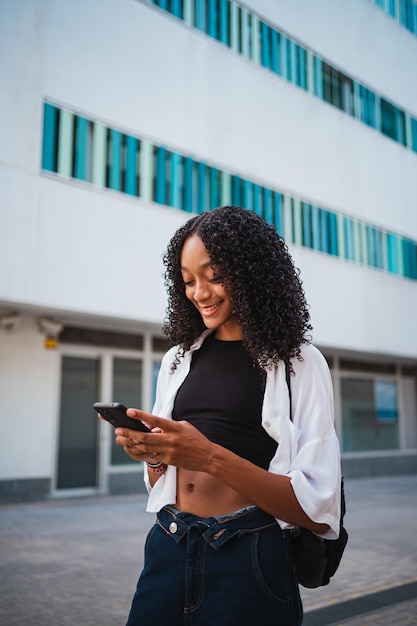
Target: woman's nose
(201,291)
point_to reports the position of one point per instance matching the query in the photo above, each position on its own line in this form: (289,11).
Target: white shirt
(308,449)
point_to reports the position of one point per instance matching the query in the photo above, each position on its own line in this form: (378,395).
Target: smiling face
(203,287)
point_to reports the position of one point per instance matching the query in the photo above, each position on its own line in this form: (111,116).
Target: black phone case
(115,414)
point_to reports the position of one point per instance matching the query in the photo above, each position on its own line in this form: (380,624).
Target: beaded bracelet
(157,468)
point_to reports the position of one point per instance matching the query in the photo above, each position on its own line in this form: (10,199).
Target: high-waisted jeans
(229,570)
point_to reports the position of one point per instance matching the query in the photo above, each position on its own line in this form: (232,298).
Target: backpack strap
(287,378)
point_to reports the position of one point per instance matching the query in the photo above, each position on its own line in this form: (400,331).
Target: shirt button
(267,424)
(173,527)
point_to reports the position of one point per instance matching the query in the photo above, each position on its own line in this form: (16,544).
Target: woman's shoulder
(311,361)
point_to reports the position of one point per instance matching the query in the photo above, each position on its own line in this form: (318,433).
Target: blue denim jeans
(229,570)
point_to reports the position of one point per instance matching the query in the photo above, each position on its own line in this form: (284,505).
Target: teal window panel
(278,221)
(214,188)
(131,174)
(357,103)
(340,237)
(201,186)
(310,71)
(324,231)
(371,108)
(297,221)
(175,182)
(408,131)
(163,4)
(99,165)
(65,143)
(256,40)
(248,195)
(200,15)
(234,27)
(384,243)
(236,190)
(414,134)
(265,51)
(301,68)
(268,208)
(349,238)
(115,160)
(288,228)
(224,22)
(161,175)
(189,12)
(176,8)
(291,61)
(401,130)
(334,244)
(412,247)
(49,145)
(212,18)
(257,199)
(274,51)
(146,169)
(389,124)
(81,147)
(306,225)
(226,189)
(188,184)
(379,261)
(364,99)
(377,109)
(405,257)
(370,239)
(245,34)
(363,245)
(392,249)
(283,55)
(392,8)
(315,228)
(409,252)
(318,77)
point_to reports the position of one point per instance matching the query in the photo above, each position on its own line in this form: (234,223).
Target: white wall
(28,392)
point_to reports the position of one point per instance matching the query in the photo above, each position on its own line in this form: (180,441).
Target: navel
(190,487)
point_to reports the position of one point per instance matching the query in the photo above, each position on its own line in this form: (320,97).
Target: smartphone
(115,414)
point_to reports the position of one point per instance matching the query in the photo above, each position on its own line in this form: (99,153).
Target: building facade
(119,120)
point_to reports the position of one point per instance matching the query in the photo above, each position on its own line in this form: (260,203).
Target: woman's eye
(216,279)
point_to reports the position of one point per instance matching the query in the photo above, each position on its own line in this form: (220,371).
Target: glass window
(369,415)
(127,388)
(77,448)
(388,119)
(155,371)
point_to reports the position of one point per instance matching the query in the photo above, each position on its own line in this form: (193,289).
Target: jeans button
(173,527)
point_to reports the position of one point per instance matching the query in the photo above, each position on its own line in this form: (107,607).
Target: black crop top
(222,396)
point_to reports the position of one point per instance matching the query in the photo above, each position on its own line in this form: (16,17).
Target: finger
(152,421)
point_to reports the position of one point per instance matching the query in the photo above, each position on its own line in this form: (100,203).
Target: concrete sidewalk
(66,562)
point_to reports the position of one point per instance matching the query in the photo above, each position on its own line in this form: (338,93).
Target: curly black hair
(260,277)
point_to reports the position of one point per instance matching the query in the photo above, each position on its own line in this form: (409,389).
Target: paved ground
(66,562)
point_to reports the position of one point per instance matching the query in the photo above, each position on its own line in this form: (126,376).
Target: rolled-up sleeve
(308,450)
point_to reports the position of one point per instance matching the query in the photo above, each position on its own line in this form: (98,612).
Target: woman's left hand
(174,443)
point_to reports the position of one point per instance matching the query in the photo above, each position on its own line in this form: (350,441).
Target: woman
(228,470)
